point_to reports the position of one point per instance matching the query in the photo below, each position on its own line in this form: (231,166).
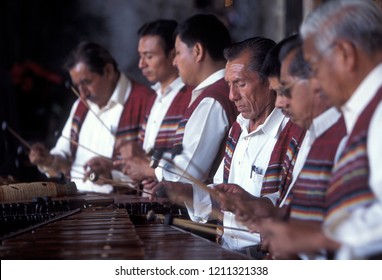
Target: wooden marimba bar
(94,233)
(101,227)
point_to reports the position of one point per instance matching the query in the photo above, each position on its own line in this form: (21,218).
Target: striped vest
(130,121)
(306,200)
(218,91)
(166,134)
(278,175)
(349,186)
(232,139)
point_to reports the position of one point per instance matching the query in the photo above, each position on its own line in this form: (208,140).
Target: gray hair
(358,21)
(258,47)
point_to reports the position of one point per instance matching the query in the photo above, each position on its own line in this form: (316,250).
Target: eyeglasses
(285,90)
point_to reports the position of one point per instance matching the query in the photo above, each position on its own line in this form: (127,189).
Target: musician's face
(331,67)
(300,100)
(154,63)
(246,90)
(93,86)
(281,99)
(186,63)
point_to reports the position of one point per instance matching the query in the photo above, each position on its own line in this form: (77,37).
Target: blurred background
(36,35)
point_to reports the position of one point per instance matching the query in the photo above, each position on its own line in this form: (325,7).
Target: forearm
(311,238)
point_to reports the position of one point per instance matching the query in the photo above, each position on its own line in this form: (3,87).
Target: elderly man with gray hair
(342,44)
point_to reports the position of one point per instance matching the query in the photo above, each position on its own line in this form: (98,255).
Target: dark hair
(299,66)
(272,65)
(207,30)
(164,28)
(93,55)
(258,48)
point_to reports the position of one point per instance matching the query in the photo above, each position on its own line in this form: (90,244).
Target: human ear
(199,52)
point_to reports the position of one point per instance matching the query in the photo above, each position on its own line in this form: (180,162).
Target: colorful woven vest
(232,139)
(131,118)
(278,175)
(77,121)
(349,186)
(166,134)
(306,201)
(231,143)
(218,91)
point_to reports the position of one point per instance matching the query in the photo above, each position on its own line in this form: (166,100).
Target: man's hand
(248,209)
(53,165)
(129,149)
(178,193)
(284,240)
(40,155)
(133,161)
(138,169)
(230,188)
(101,167)
(149,184)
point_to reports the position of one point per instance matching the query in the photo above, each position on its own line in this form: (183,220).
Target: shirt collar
(362,97)
(210,80)
(119,96)
(271,127)
(175,85)
(323,122)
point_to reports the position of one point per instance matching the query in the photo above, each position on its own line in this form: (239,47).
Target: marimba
(95,226)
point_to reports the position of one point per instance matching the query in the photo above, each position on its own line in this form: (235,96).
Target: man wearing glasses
(342,43)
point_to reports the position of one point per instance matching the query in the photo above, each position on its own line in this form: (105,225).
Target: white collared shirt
(204,131)
(159,109)
(360,232)
(94,135)
(206,83)
(252,149)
